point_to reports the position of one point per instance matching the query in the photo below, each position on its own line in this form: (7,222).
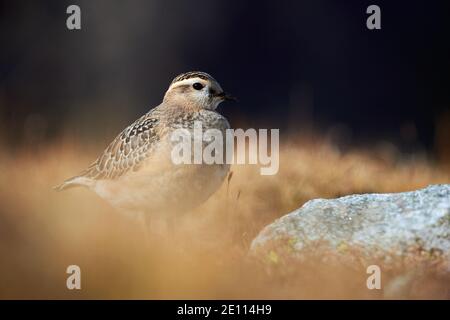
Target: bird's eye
(198,86)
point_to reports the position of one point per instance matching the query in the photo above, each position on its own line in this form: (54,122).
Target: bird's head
(196,90)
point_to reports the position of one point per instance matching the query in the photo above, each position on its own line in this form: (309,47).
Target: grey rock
(372,226)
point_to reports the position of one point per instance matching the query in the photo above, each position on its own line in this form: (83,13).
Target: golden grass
(42,231)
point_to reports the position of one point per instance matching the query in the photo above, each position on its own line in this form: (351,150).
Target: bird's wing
(128,150)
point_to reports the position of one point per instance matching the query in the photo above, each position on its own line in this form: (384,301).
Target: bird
(135,173)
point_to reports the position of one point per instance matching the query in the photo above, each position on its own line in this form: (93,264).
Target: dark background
(294,65)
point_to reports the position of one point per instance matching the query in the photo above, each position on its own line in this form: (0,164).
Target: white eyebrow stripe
(189,81)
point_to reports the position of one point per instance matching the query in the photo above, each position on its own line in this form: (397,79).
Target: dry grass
(42,232)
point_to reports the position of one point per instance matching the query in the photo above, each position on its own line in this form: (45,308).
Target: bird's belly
(177,190)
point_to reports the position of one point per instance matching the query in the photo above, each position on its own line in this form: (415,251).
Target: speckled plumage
(135,172)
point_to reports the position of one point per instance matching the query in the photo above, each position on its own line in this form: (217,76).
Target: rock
(408,227)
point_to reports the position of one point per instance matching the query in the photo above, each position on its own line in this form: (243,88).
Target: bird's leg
(151,227)
(178,243)
(143,222)
(172,222)
(159,227)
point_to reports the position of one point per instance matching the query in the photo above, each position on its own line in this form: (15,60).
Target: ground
(42,231)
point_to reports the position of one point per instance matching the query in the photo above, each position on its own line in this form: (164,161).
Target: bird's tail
(78,181)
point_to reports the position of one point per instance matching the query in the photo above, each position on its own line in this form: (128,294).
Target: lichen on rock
(409,227)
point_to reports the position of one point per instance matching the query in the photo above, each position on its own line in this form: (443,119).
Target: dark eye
(198,86)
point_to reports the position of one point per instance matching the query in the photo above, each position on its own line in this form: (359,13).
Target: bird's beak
(226,97)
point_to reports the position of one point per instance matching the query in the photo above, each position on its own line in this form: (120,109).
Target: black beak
(226,96)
